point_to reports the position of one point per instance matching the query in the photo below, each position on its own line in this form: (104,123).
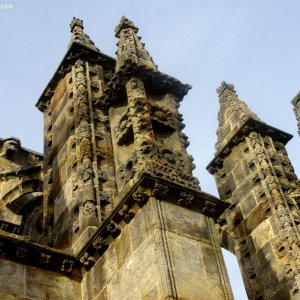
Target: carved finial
(124,24)
(76,22)
(10,146)
(79,36)
(224,85)
(232,111)
(130,48)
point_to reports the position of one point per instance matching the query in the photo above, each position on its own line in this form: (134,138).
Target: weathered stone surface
(254,174)
(112,210)
(13,276)
(186,254)
(46,285)
(24,282)
(102,295)
(185,222)
(139,228)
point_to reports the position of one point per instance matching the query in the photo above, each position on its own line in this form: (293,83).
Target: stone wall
(24,282)
(165,251)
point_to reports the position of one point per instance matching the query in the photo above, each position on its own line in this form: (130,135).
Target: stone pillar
(255,176)
(141,121)
(165,252)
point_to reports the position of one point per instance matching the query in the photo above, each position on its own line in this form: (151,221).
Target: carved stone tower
(78,165)
(120,202)
(255,177)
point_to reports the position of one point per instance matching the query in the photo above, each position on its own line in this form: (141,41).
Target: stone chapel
(112,211)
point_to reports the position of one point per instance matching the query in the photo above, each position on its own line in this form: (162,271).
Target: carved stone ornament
(89,208)
(105,198)
(113,229)
(79,36)
(67,265)
(209,207)
(160,191)
(185,199)
(87,260)
(100,245)
(126,213)
(162,118)
(45,258)
(127,170)
(10,146)
(124,131)
(87,171)
(140,196)
(172,174)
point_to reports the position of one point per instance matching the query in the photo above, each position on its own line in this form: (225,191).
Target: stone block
(12,278)
(41,284)
(123,247)
(191,286)
(247,205)
(6,296)
(150,289)
(183,221)
(232,160)
(185,253)
(138,228)
(102,272)
(262,234)
(238,174)
(102,295)
(210,261)
(83,239)
(139,276)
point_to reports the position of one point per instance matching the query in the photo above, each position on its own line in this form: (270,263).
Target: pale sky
(253,44)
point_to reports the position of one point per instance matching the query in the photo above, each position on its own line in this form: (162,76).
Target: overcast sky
(253,44)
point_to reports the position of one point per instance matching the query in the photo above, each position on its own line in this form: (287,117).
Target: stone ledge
(131,200)
(250,125)
(19,250)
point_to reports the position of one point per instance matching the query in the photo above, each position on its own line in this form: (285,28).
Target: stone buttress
(167,245)
(111,210)
(255,177)
(78,165)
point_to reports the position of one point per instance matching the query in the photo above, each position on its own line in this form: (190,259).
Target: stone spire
(130,48)
(79,36)
(233,114)
(254,174)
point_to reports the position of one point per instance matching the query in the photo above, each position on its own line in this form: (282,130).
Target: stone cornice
(20,250)
(132,199)
(22,170)
(148,184)
(248,126)
(155,81)
(75,52)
